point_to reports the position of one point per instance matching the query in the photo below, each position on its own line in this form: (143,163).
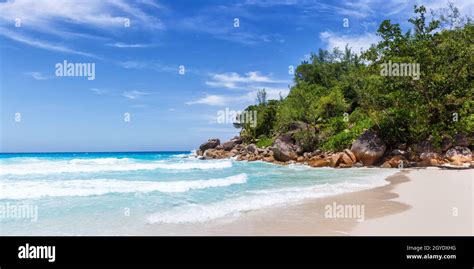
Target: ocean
(122,193)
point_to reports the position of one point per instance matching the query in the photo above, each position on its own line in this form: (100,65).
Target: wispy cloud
(124,45)
(270,3)
(99,91)
(220,26)
(134,94)
(41,44)
(357,8)
(38,75)
(66,19)
(149,65)
(363,9)
(52,14)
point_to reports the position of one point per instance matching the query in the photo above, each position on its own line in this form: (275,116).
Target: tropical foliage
(340,94)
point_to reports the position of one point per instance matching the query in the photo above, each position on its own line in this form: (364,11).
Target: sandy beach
(441,203)
(427,201)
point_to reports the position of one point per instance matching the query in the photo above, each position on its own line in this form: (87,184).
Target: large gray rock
(229,145)
(252,148)
(210,144)
(283,151)
(368,148)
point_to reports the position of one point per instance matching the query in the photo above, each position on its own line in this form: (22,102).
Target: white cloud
(212,100)
(123,45)
(149,65)
(249,80)
(355,42)
(247,98)
(41,44)
(58,17)
(53,14)
(134,94)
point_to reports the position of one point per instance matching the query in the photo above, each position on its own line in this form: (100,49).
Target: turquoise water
(120,193)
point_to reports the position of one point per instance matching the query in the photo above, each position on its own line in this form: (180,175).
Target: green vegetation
(264,142)
(338,94)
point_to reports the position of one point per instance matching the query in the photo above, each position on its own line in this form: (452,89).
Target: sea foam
(259,199)
(25,189)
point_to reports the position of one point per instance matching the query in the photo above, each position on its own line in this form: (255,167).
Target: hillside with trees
(339,94)
(415,113)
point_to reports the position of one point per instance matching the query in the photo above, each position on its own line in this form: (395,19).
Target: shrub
(264,142)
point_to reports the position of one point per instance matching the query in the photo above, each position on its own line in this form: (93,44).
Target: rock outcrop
(397,161)
(318,163)
(459,154)
(229,145)
(252,149)
(283,151)
(368,148)
(210,144)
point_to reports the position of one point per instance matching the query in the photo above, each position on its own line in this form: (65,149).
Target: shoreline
(307,218)
(406,206)
(415,202)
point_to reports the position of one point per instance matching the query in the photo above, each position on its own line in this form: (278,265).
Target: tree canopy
(340,94)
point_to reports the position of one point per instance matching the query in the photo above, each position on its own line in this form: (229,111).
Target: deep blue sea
(120,193)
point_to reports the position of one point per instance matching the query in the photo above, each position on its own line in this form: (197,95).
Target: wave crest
(259,199)
(37,189)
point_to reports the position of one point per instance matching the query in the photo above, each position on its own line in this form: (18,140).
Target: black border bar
(243,250)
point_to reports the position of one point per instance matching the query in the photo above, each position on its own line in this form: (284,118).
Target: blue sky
(137,67)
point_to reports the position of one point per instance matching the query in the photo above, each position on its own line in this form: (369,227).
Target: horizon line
(145,151)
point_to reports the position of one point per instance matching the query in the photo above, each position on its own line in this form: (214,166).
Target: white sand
(441,203)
